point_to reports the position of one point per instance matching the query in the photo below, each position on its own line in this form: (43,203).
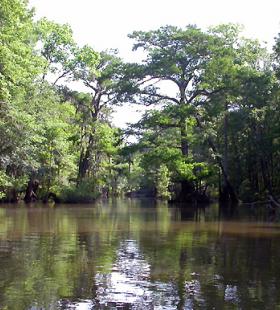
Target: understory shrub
(85,192)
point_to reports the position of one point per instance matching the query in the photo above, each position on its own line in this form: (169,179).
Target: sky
(105,24)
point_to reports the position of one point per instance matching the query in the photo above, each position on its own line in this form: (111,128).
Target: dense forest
(211,129)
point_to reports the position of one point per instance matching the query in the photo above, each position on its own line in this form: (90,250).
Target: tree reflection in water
(132,255)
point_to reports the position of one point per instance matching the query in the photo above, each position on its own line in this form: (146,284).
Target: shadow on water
(138,254)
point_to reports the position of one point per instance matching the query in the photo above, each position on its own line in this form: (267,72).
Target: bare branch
(87,83)
(204,92)
(61,76)
(159,97)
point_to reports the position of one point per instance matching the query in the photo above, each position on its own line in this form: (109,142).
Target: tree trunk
(184,138)
(225,159)
(84,162)
(12,195)
(187,187)
(228,192)
(265,175)
(187,193)
(226,189)
(83,165)
(229,189)
(30,194)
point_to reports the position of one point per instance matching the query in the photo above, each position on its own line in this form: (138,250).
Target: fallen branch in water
(251,204)
(274,201)
(270,202)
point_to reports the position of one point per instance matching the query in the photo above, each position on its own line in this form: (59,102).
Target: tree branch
(204,92)
(159,97)
(61,76)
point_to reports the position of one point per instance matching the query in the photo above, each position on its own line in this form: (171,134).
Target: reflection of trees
(214,265)
(71,256)
(46,260)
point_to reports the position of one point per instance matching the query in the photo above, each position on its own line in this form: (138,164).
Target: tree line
(211,129)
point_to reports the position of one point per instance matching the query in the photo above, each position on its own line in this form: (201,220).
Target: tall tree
(178,60)
(101,74)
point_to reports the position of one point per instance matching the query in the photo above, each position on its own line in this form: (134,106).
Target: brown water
(131,254)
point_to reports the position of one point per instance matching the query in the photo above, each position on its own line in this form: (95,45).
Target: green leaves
(19,65)
(57,47)
(87,60)
(214,93)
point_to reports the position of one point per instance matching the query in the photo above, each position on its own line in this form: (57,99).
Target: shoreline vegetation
(211,132)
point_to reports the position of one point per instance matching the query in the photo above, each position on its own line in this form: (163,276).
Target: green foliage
(58,48)
(19,63)
(85,192)
(162,182)
(87,60)
(219,121)
(46,131)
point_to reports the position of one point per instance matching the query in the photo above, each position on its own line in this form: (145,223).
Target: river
(137,254)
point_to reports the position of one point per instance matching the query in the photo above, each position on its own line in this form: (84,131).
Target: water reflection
(135,255)
(129,283)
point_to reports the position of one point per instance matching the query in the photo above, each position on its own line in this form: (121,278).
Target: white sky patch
(105,24)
